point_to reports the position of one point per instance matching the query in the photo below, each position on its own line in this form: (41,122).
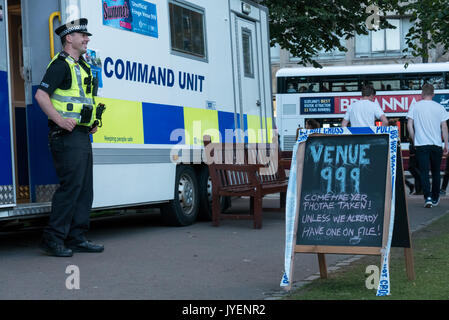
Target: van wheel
(205,185)
(183,209)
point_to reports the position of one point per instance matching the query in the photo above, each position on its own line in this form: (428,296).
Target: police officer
(66,97)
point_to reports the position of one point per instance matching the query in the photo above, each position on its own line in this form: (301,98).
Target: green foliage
(306,27)
(430,26)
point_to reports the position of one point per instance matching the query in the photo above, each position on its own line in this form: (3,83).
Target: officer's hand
(67,124)
(94,129)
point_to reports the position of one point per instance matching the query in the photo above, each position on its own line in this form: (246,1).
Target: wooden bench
(238,169)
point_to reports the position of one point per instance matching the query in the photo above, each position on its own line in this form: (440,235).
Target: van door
(246,54)
(36,57)
(7,186)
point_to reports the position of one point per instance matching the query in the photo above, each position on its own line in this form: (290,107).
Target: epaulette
(63,55)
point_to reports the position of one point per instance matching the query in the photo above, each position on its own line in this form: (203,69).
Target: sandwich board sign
(341,198)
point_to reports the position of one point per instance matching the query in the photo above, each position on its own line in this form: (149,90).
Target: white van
(169,72)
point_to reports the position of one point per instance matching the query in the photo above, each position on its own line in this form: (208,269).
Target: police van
(168,71)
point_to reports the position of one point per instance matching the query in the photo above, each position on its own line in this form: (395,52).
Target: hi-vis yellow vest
(69,103)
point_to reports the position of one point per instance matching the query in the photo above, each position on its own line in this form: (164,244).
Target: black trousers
(72,201)
(429,157)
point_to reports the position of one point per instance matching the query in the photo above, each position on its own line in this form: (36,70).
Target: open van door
(7,186)
(36,35)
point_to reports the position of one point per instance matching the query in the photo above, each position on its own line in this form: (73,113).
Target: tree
(305,27)
(430,26)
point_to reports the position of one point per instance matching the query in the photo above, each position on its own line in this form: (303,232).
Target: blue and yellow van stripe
(148,123)
(131,122)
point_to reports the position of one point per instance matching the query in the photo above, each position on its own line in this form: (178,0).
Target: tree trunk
(425,47)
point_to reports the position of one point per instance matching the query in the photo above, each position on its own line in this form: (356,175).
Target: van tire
(183,209)
(205,185)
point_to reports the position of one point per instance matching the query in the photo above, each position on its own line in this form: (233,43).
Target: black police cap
(79,25)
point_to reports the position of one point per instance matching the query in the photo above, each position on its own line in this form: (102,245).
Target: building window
(384,42)
(322,54)
(247,53)
(187,30)
(335,53)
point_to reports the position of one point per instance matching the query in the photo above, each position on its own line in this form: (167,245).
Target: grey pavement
(145,260)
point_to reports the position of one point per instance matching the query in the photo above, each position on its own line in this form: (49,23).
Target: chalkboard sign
(346,195)
(342,200)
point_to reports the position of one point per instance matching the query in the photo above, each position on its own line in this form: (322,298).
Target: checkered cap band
(81,27)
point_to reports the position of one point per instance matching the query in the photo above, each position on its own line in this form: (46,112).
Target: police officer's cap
(79,25)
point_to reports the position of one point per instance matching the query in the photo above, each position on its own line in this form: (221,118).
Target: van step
(26,209)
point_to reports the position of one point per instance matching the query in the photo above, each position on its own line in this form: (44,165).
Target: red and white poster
(388,103)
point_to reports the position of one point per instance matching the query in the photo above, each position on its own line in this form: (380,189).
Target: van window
(247,53)
(187,29)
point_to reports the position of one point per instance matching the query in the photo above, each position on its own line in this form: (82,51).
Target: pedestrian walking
(426,125)
(364,112)
(66,97)
(312,124)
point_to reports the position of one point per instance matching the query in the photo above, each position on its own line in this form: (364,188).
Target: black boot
(55,249)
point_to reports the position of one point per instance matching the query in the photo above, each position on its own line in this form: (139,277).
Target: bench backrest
(246,154)
(268,155)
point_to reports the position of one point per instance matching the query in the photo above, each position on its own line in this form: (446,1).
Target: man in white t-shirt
(364,112)
(426,125)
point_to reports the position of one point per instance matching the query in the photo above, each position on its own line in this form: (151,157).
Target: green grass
(431,260)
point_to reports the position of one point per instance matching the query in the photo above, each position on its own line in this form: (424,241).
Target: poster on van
(93,58)
(132,15)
